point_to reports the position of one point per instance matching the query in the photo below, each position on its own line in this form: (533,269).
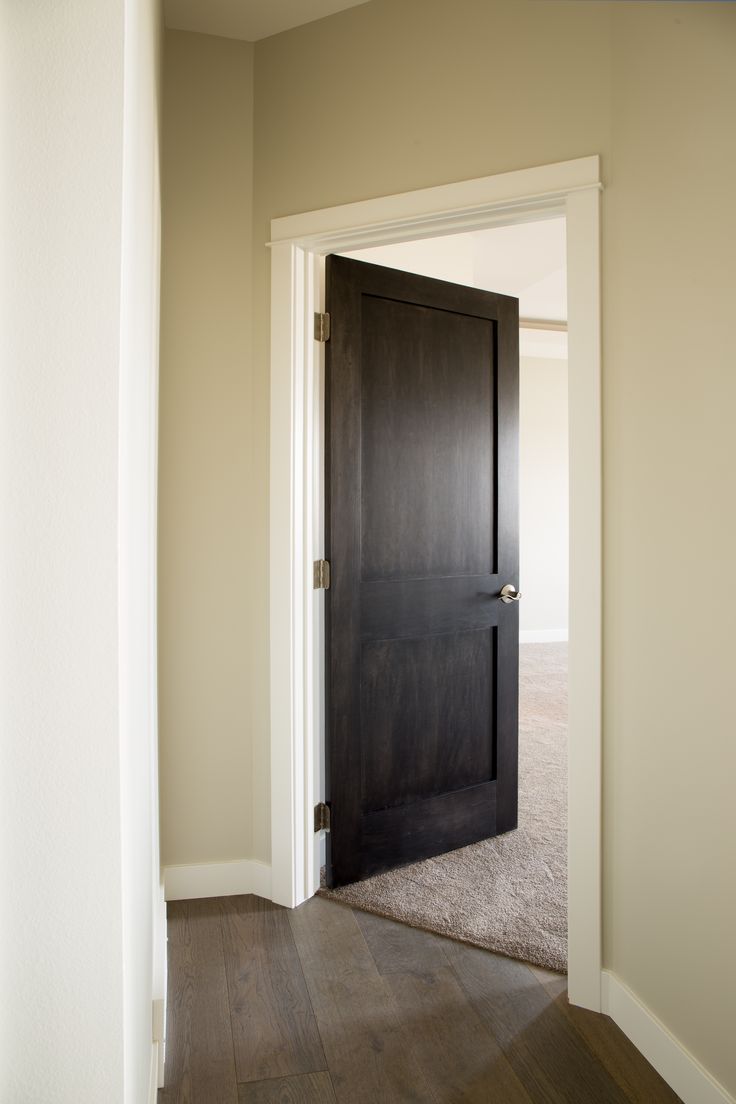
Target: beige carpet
(507,894)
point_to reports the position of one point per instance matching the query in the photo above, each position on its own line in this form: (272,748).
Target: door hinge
(322,817)
(321,575)
(321,327)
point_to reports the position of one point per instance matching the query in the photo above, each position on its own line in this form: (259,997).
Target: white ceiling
(248,19)
(526,260)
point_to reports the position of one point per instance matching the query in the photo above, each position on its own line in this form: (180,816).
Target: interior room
(366,386)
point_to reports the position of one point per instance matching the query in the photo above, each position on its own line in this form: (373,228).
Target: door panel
(426,413)
(422,533)
(427,734)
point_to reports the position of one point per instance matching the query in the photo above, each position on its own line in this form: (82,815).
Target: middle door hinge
(322,327)
(322,817)
(321,578)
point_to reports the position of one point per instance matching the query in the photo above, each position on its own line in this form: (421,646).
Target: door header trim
(523,195)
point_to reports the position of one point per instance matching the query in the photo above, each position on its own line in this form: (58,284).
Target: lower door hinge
(321,327)
(322,817)
(321,575)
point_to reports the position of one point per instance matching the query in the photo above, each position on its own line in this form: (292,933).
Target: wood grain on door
(422,509)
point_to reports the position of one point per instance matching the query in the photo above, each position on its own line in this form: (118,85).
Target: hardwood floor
(328,1005)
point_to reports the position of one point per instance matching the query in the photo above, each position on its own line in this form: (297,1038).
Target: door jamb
(298,242)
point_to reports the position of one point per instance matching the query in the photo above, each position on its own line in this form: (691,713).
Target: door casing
(298,245)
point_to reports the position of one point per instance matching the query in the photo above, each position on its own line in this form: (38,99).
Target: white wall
(77,804)
(543,499)
(144,910)
(526,260)
(452,257)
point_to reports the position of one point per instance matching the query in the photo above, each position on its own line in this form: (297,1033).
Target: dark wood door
(422,534)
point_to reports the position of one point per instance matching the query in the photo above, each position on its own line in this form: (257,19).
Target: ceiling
(248,19)
(526,260)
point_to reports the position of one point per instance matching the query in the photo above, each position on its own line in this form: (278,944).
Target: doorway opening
(569,190)
(507,892)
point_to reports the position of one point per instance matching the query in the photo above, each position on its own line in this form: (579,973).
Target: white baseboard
(542,636)
(153,1076)
(225,879)
(682,1072)
(159,1038)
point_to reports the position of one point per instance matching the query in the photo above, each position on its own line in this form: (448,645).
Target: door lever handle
(509,593)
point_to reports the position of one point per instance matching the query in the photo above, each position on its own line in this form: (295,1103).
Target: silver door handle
(509,593)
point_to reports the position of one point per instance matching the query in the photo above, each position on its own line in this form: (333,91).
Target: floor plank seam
(282,1076)
(228,994)
(309,996)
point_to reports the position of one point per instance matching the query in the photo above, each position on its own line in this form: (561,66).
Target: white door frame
(298,242)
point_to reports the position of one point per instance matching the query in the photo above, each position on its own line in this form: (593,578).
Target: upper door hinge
(322,817)
(322,327)
(321,575)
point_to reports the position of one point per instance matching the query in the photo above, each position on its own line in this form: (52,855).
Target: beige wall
(543,496)
(465,90)
(669,392)
(208,542)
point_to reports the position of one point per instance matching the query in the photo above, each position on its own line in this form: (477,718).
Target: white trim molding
(223,879)
(680,1069)
(298,245)
(542,636)
(153,1076)
(584,919)
(158,1020)
(506,198)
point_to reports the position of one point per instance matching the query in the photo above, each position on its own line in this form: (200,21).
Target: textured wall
(61,778)
(77,617)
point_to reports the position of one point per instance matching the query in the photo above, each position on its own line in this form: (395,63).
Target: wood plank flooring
(327,1005)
